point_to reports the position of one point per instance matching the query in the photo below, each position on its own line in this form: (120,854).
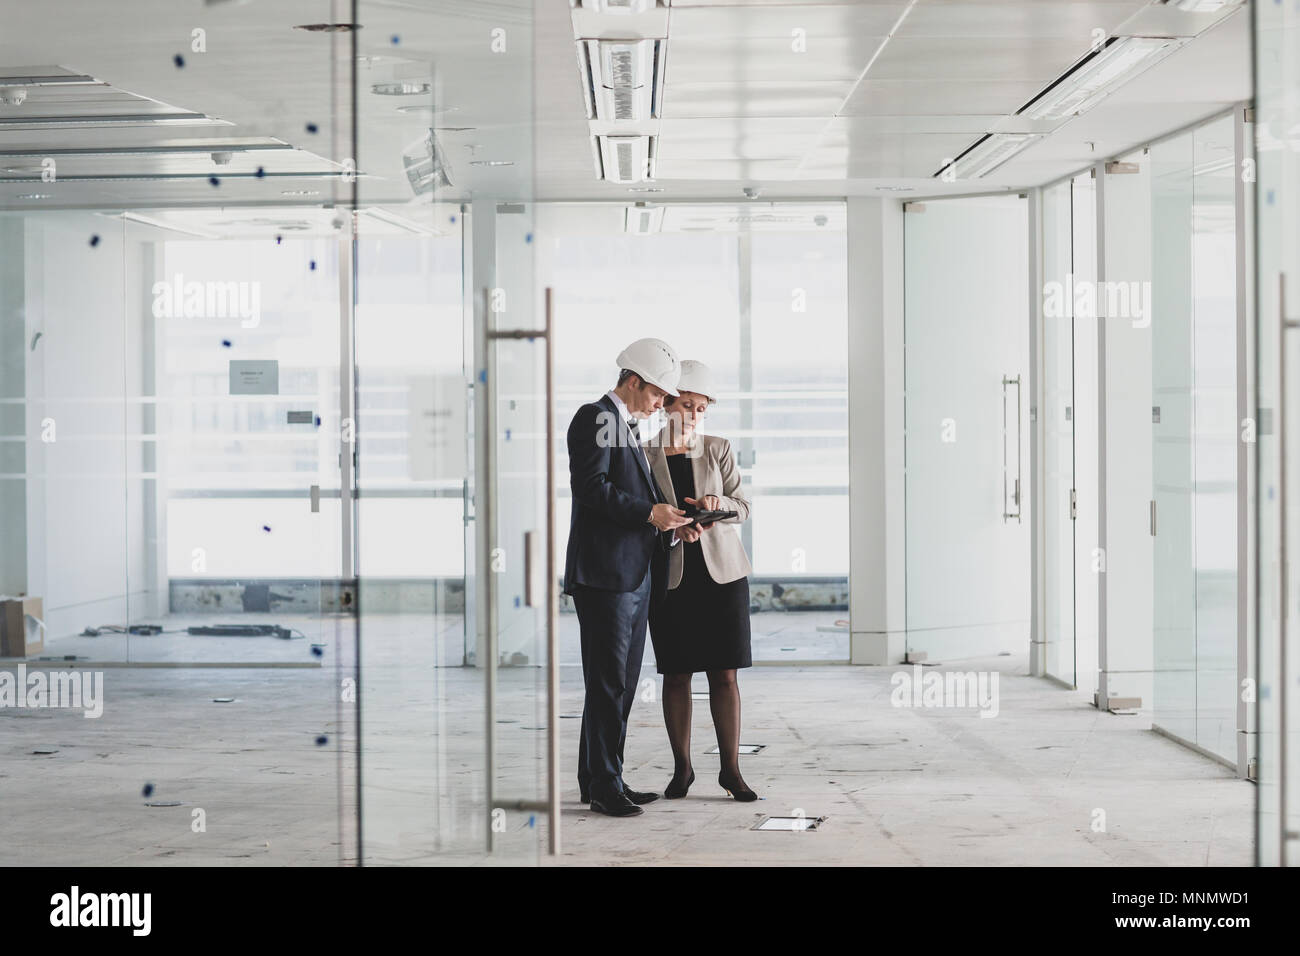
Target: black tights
(724,702)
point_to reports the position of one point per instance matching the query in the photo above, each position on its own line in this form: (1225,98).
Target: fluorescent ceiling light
(626,159)
(1098,77)
(58,79)
(991,153)
(120,119)
(159,224)
(174,148)
(400,222)
(643,220)
(622,79)
(618,6)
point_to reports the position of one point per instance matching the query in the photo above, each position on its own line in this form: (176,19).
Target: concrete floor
(898,786)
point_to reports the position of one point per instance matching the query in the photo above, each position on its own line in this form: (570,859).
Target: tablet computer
(708,517)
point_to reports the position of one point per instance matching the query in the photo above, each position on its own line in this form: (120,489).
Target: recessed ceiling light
(492,162)
(401,89)
(328,27)
(36,196)
(896,189)
(645,189)
(300,192)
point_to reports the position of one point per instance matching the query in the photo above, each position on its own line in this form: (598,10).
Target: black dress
(700,625)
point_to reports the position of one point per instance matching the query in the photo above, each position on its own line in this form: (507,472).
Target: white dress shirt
(621,407)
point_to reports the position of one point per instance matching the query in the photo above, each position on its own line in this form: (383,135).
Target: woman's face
(688,409)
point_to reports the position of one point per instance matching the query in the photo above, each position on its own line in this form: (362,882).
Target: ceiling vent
(626,159)
(623,79)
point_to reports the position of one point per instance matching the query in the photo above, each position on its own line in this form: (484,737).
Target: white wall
(877,557)
(85,553)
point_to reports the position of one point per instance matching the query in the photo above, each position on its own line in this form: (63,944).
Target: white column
(877,556)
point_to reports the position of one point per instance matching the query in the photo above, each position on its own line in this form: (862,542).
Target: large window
(759,294)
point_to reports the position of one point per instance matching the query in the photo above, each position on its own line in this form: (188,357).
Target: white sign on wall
(254,377)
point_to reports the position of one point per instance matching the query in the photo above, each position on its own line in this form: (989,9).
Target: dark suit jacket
(611,542)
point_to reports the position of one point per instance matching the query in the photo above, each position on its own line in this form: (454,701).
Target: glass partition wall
(1277,115)
(1142,446)
(171,313)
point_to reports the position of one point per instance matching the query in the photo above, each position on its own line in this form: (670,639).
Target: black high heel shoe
(735,791)
(676,793)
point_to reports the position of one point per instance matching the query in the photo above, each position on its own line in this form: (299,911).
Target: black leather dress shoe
(619,806)
(639,796)
(584,796)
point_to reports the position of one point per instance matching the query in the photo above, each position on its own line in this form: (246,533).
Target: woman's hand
(707,503)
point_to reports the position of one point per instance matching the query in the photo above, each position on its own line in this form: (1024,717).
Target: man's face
(646,400)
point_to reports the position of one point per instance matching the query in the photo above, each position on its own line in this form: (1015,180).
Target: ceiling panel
(1004,59)
(875,97)
(727,169)
(746,139)
(769,98)
(817,23)
(851,151)
(1034,18)
(711,59)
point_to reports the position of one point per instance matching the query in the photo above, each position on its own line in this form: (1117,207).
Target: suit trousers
(613,630)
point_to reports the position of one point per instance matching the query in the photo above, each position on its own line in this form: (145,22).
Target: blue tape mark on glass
(507,434)
(322,740)
(312,127)
(226,343)
(516,600)
(213,180)
(261,172)
(313,265)
(266,528)
(179,61)
(94,241)
(148,790)
(482,375)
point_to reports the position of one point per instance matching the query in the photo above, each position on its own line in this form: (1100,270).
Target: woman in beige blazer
(702,621)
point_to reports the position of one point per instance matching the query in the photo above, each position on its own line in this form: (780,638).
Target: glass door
(454,690)
(966,342)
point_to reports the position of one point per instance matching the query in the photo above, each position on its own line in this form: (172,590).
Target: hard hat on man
(654,361)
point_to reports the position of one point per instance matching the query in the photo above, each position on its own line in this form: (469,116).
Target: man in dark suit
(619,521)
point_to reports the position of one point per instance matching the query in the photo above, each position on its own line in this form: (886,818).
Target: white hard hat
(655,361)
(698,378)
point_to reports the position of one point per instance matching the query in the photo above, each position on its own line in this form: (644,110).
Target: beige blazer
(713,465)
